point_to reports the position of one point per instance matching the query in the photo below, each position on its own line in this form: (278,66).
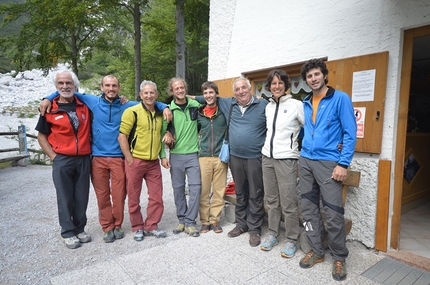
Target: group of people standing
(127,144)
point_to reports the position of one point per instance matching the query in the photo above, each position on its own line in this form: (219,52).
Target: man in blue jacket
(329,121)
(247,133)
(107,166)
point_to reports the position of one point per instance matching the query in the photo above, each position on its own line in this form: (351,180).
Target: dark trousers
(248,183)
(71,175)
(316,184)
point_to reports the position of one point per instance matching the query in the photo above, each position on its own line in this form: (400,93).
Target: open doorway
(412,190)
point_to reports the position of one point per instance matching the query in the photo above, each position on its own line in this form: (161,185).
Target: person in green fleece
(184,156)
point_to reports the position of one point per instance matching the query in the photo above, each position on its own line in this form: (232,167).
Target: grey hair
(242,78)
(74,77)
(148,82)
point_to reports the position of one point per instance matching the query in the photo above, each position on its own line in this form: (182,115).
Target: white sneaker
(156,233)
(84,237)
(138,235)
(72,242)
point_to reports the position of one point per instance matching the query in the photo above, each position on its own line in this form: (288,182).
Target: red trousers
(108,177)
(150,171)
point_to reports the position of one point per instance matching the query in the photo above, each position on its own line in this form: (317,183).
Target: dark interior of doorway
(416,212)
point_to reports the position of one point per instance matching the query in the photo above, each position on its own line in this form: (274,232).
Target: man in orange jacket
(64,135)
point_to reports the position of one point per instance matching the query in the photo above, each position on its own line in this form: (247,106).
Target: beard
(67,93)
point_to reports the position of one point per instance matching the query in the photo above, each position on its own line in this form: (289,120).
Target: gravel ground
(32,251)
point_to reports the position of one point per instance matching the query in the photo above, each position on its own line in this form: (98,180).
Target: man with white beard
(64,135)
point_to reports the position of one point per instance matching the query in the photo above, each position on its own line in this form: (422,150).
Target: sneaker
(155,233)
(254,239)
(118,233)
(179,229)
(205,229)
(339,270)
(310,259)
(72,242)
(289,250)
(84,237)
(138,235)
(269,242)
(109,236)
(237,231)
(192,231)
(216,228)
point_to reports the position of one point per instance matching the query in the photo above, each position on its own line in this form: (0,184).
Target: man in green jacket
(183,157)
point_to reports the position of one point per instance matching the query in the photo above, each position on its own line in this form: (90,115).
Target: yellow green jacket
(144,131)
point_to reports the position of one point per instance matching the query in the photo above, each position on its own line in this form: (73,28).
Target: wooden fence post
(22,141)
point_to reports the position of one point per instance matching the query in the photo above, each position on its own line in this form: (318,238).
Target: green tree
(159,42)
(6,64)
(56,31)
(180,39)
(196,13)
(135,9)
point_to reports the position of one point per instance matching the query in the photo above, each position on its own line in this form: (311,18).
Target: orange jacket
(63,138)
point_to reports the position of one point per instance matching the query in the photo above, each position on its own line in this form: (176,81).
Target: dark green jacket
(211,133)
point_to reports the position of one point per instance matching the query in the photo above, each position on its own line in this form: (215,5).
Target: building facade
(388,37)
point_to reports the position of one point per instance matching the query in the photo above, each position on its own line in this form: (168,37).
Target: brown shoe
(310,259)
(216,228)
(205,229)
(254,239)
(237,232)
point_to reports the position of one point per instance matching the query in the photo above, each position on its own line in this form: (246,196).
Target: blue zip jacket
(106,119)
(247,132)
(334,124)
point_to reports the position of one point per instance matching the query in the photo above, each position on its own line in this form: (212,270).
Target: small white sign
(360,115)
(363,85)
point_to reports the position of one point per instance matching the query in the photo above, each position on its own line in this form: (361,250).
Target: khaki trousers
(214,180)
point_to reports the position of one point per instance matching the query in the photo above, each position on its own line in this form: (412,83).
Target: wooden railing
(22,157)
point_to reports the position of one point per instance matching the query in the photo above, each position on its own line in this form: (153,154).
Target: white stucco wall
(248,35)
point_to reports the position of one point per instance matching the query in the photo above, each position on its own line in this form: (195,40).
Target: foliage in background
(56,31)
(6,63)
(109,48)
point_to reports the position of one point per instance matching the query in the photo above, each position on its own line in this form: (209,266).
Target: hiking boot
(269,242)
(109,236)
(192,231)
(310,259)
(155,233)
(179,229)
(205,229)
(216,228)
(237,231)
(138,235)
(72,242)
(289,250)
(118,233)
(339,270)
(84,237)
(254,239)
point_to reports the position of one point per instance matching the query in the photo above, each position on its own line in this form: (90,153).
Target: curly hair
(314,63)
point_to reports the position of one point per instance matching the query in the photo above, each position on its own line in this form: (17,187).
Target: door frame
(405,84)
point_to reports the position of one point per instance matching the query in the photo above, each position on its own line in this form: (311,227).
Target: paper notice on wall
(363,85)
(360,115)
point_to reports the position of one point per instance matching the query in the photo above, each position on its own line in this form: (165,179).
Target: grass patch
(4,165)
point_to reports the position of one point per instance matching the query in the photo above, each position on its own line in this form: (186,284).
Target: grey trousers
(316,183)
(248,183)
(181,165)
(280,196)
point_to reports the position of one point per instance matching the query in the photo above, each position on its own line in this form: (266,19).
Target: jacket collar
(329,93)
